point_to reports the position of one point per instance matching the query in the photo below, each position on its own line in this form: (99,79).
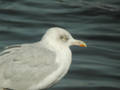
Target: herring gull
(39,65)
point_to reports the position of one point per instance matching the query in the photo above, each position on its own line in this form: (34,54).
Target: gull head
(60,37)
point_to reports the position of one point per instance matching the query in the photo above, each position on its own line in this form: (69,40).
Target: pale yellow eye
(64,38)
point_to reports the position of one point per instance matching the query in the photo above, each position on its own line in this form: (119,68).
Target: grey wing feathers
(6,53)
(28,63)
(13,46)
(8,49)
(27,53)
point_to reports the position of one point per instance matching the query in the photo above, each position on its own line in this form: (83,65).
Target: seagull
(39,65)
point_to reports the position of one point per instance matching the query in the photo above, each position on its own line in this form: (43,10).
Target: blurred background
(97,22)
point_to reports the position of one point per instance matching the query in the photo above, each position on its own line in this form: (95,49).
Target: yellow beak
(79,43)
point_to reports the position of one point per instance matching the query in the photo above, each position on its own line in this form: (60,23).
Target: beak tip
(83,45)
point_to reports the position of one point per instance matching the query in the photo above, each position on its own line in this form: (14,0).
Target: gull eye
(64,38)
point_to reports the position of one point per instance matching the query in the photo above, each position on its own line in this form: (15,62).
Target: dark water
(95,21)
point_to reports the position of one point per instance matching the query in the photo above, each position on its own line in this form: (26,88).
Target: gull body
(39,65)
